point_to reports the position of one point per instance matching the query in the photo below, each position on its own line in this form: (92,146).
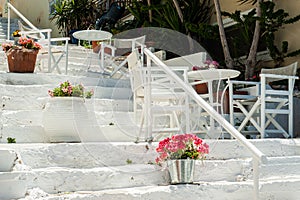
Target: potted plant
(209,64)
(21,58)
(180,152)
(65,116)
(16,34)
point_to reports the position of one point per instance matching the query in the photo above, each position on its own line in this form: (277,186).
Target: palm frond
(247,1)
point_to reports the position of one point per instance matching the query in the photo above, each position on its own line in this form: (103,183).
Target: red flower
(181,146)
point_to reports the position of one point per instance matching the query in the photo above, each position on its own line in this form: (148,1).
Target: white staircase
(113,166)
(3,28)
(113,170)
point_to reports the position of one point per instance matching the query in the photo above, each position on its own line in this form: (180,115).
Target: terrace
(107,163)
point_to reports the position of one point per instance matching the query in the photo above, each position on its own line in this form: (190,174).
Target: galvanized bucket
(181,171)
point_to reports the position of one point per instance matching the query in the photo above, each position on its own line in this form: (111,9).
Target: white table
(208,76)
(92,35)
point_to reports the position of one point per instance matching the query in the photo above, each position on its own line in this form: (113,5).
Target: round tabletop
(92,35)
(213,74)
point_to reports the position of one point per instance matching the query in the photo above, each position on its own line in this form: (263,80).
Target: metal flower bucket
(181,171)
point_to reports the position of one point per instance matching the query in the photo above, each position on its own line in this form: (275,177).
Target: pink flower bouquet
(212,63)
(182,146)
(66,89)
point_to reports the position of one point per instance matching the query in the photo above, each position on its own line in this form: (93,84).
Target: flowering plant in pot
(209,64)
(22,56)
(66,117)
(180,152)
(181,146)
(66,89)
(16,33)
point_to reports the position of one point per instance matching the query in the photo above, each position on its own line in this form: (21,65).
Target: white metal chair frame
(256,107)
(215,97)
(50,49)
(165,98)
(195,59)
(119,61)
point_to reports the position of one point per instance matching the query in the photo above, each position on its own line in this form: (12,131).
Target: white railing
(258,156)
(11,7)
(44,36)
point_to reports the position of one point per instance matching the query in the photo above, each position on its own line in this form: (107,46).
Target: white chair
(195,59)
(261,106)
(53,53)
(113,54)
(161,106)
(214,79)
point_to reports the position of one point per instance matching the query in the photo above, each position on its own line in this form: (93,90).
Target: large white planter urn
(65,119)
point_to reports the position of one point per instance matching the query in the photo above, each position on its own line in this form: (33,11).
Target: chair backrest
(196,59)
(289,70)
(37,36)
(136,73)
(131,43)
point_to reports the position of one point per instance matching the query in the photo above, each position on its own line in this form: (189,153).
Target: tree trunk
(178,10)
(150,11)
(227,56)
(251,59)
(180,14)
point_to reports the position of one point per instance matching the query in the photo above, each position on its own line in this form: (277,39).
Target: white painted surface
(100,169)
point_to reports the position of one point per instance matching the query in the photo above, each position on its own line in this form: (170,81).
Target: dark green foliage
(271,21)
(75,14)
(164,13)
(253,2)
(11,140)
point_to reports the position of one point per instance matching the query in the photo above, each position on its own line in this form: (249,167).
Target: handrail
(258,156)
(45,35)
(9,6)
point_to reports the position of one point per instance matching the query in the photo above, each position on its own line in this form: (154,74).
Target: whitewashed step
(98,133)
(219,150)
(23,133)
(65,179)
(216,191)
(82,155)
(59,179)
(7,159)
(54,79)
(18,94)
(27,104)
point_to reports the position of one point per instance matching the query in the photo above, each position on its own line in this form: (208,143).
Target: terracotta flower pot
(96,46)
(21,60)
(201,88)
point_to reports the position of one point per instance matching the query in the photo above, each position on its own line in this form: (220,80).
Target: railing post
(49,50)
(148,115)
(8,22)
